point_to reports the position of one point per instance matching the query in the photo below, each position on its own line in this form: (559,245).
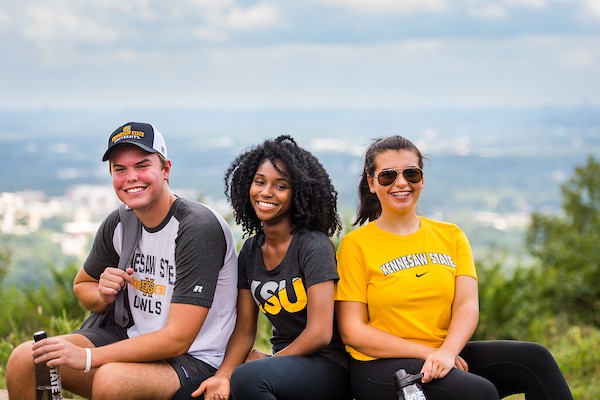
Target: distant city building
(22,213)
(79,212)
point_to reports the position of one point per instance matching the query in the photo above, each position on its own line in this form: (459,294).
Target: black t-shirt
(281,294)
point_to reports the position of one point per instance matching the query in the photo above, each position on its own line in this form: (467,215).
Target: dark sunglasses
(389,176)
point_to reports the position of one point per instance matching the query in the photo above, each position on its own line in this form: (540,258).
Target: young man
(181,289)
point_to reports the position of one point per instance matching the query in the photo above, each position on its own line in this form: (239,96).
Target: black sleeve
(317,258)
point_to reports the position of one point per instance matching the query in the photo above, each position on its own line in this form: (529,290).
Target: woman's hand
(256,354)
(438,364)
(465,314)
(461,364)
(214,388)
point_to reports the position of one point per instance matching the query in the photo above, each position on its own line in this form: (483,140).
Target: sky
(237,54)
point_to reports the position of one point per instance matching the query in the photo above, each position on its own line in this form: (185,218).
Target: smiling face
(139,178)
(271,193)
(399,198)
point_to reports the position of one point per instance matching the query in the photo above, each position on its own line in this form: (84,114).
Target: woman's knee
(538,351)
(247,374)
(460,385)
(534,356)
(247,381)
(483,389)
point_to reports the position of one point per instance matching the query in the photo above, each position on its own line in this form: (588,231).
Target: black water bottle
(408,386)
(48,385)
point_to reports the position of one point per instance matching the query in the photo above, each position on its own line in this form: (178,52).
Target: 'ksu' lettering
(274,297)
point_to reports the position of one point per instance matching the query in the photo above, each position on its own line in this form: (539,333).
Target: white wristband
(88,360)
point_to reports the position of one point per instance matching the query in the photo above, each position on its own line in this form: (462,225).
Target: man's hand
(112,280)
(58,351)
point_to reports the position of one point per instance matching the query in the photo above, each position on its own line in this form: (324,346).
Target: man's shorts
(187,367)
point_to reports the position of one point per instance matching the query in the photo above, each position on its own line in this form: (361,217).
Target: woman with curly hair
(282,195)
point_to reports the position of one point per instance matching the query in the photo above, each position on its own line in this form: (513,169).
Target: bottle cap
(404,379)
(39,335)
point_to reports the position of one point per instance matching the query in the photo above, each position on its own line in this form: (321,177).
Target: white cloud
(578,58)
(210,34)
(592,8)
(261,15)
(50,34)
(489,11)
(499,10)
(142,9)
(220,19)
(533,4)
(395,6)
(62,23)
(211,4)
(4,17)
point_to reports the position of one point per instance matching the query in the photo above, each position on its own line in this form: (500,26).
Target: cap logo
(127,133)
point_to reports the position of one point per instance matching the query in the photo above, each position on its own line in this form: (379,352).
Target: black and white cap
(143,135)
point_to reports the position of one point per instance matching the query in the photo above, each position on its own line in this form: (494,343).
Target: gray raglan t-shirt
(189,258)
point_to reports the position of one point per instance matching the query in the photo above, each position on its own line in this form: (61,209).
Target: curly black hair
(314,204)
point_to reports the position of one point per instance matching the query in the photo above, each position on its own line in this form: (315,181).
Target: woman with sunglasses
(407,298)
(282,195)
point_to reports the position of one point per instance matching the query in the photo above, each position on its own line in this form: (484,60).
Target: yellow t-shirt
(406,281)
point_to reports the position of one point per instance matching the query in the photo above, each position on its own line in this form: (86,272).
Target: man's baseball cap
(143,135)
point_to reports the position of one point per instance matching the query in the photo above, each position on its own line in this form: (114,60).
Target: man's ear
(167,169)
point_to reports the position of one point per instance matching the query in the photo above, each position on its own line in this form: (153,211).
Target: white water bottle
(408,387)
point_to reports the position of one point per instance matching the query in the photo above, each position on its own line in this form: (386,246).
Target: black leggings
(496,369)
(284,378)
(290,378)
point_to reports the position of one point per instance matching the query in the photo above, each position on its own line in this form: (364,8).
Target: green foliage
(29,309)
(7,344)
(264,332)
(53,224)
(26,310)
(554,301)
(514,306)
(576,351)
(5,255)
(32,258)
(568,251)
(506,301)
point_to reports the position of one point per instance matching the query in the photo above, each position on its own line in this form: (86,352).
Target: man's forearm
(87,294)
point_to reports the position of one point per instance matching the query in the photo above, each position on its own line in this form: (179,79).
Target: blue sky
(228,54)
